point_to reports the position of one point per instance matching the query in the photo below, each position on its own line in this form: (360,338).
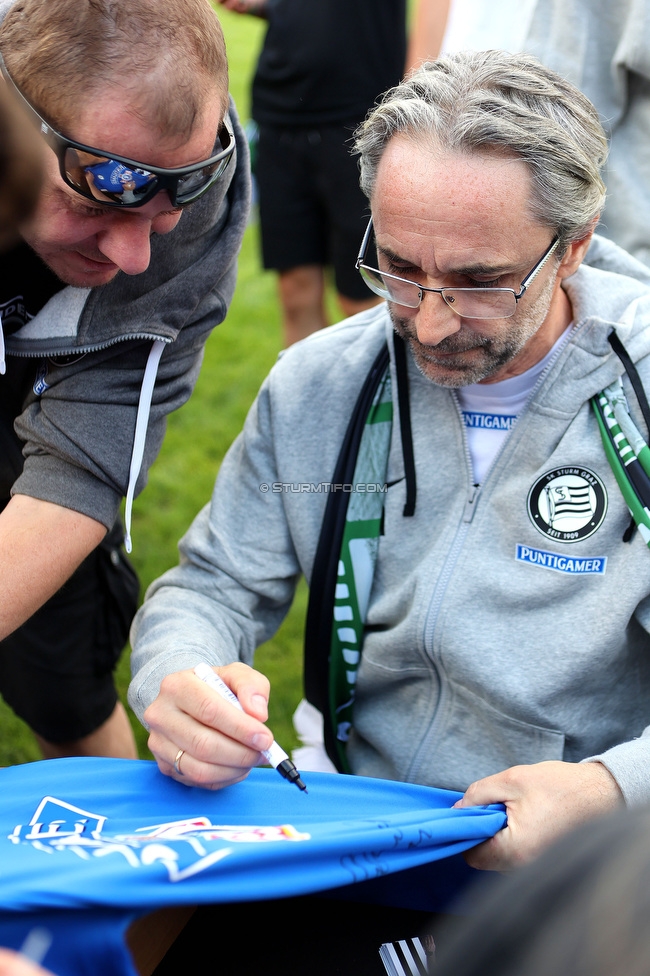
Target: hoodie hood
(610,291)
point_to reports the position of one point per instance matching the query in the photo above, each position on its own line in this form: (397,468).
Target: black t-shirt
(26,285)
(327,61)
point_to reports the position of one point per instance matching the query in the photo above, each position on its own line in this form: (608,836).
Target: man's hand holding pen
(199,738)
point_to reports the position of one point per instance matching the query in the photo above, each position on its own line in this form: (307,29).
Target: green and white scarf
(627,451)
(357,560)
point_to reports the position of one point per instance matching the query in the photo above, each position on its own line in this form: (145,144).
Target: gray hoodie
(487,644)
(90,426)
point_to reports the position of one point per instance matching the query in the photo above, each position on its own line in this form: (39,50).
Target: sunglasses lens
(119,184)
(107,180)
(190,187)
(194,184)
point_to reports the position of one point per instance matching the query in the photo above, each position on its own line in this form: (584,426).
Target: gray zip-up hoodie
(488,642)
(94,421)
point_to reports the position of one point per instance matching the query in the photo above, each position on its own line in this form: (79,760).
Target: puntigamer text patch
(589,565)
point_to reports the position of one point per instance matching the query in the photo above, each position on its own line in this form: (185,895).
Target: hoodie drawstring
(140,436)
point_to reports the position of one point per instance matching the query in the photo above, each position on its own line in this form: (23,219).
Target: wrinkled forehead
(159,103)
(420,179)
(440,209)
(423,163)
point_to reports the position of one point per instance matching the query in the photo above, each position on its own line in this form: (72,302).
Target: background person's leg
(114,737)
(348,212)
(293,227)
(350,306)
(302,296)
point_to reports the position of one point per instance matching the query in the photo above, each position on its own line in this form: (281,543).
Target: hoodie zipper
(471,502)
(96,347)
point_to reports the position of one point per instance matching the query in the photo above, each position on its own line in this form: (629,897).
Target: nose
(434,320)
(126,237)
(125,241)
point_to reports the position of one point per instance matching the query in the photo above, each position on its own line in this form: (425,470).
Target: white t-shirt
(476,25)
(490,410)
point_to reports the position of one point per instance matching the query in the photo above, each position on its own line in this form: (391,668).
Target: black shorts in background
(312,210)
(56,671)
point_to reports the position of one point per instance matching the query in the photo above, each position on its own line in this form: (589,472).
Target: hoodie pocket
(469,739)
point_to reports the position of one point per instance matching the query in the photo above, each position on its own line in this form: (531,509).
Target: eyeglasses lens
(489,303)
(189,187)
(401,292)
(109,181)
(471,303)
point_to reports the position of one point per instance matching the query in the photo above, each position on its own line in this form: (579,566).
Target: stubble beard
(494,350)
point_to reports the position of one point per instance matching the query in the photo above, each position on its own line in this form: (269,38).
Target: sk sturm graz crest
(567,504)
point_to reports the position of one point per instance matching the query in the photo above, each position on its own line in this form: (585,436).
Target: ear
(575,253)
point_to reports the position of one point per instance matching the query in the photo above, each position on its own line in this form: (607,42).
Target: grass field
(238,355)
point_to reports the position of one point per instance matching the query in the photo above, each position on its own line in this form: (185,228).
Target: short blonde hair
(169,57)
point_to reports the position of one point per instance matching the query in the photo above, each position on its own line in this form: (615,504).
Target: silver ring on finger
(177,761)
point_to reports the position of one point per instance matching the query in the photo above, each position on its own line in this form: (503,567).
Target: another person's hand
(15,964)
(199,738)
(21,168)
(257,8)
(542,801)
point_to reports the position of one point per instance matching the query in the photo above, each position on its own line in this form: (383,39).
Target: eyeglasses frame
(167,178)
(441,291)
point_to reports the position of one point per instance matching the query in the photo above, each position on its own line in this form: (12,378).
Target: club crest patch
(567,504)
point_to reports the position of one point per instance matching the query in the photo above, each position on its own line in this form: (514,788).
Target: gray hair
(495,102)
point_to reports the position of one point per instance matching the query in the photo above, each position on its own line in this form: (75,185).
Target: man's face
(457,220)
(86,244)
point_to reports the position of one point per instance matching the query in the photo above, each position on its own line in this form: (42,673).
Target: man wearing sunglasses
(478,615)
(106,302)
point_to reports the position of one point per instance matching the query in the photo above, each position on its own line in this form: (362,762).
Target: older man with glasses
(453,472)
(106,303)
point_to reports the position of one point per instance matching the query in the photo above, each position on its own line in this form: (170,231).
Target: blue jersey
(114,839)
(113,177)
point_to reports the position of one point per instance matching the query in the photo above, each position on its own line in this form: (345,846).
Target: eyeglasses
(470,303)
(116,181)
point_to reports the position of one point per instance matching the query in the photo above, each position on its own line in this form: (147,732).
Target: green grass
(238,355)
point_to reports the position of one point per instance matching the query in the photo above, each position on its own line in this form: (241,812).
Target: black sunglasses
(117,181)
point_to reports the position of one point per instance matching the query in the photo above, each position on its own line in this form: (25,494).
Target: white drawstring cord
(140,436)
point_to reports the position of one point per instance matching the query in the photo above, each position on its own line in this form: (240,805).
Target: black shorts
(56,671)
(312,210)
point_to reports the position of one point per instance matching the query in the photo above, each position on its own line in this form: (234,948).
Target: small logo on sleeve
(40,383)
(567,504)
